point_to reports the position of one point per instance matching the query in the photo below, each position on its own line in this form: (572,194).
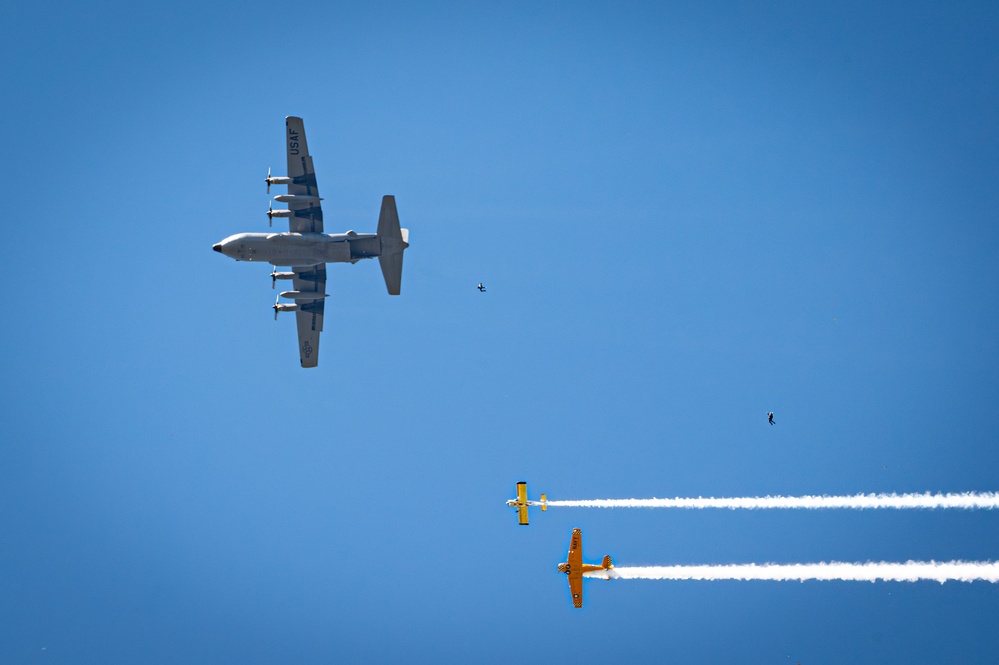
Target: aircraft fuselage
(300,249)
(587,570)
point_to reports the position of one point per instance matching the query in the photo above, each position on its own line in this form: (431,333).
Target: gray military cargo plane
(307,250)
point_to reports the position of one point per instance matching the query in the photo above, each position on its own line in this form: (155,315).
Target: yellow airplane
(521,503)
(577,570)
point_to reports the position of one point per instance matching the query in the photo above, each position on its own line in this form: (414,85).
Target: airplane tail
(544,502)
(608,566)
(394,241)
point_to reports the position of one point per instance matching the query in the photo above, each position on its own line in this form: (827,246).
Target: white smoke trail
(966,500)
(910,571)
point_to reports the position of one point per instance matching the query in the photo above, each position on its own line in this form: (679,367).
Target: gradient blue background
(686,214)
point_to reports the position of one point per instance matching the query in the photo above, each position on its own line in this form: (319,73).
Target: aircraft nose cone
(217,247)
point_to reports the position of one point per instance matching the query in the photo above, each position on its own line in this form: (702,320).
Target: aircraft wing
(576,589)
(522,503)
(306,216)
(574,564)
(522,514)
(309,316)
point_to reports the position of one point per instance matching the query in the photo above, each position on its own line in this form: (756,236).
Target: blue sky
(686,215)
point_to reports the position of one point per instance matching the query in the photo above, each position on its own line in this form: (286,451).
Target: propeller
(276,310)
(268,180)
(273,276)
(270,206)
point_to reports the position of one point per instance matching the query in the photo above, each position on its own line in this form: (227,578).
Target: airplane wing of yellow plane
(575,569)
(521,503)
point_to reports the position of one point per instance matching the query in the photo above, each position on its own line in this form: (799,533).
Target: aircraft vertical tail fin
(544,502)
(607,563)
(394,241)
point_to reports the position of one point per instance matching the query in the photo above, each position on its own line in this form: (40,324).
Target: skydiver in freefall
(770,417)
(481,288)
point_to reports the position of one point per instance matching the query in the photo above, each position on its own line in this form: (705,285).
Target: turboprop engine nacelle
(276,180)
(275,276)
(303,295)
(272,213)
(279,307)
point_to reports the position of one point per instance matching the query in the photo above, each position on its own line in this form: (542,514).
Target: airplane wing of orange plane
(521,503)
(575,569)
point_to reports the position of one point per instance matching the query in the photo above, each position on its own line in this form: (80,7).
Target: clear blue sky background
(686,214)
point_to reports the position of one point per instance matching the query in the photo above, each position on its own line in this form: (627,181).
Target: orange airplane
(521,503)
(577,570)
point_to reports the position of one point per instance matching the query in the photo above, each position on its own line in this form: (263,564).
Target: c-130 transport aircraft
(307,250)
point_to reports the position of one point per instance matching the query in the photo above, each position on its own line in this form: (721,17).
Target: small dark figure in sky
(770,417)
(482,288)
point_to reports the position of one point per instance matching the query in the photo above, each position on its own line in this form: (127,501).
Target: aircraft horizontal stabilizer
(394,241)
